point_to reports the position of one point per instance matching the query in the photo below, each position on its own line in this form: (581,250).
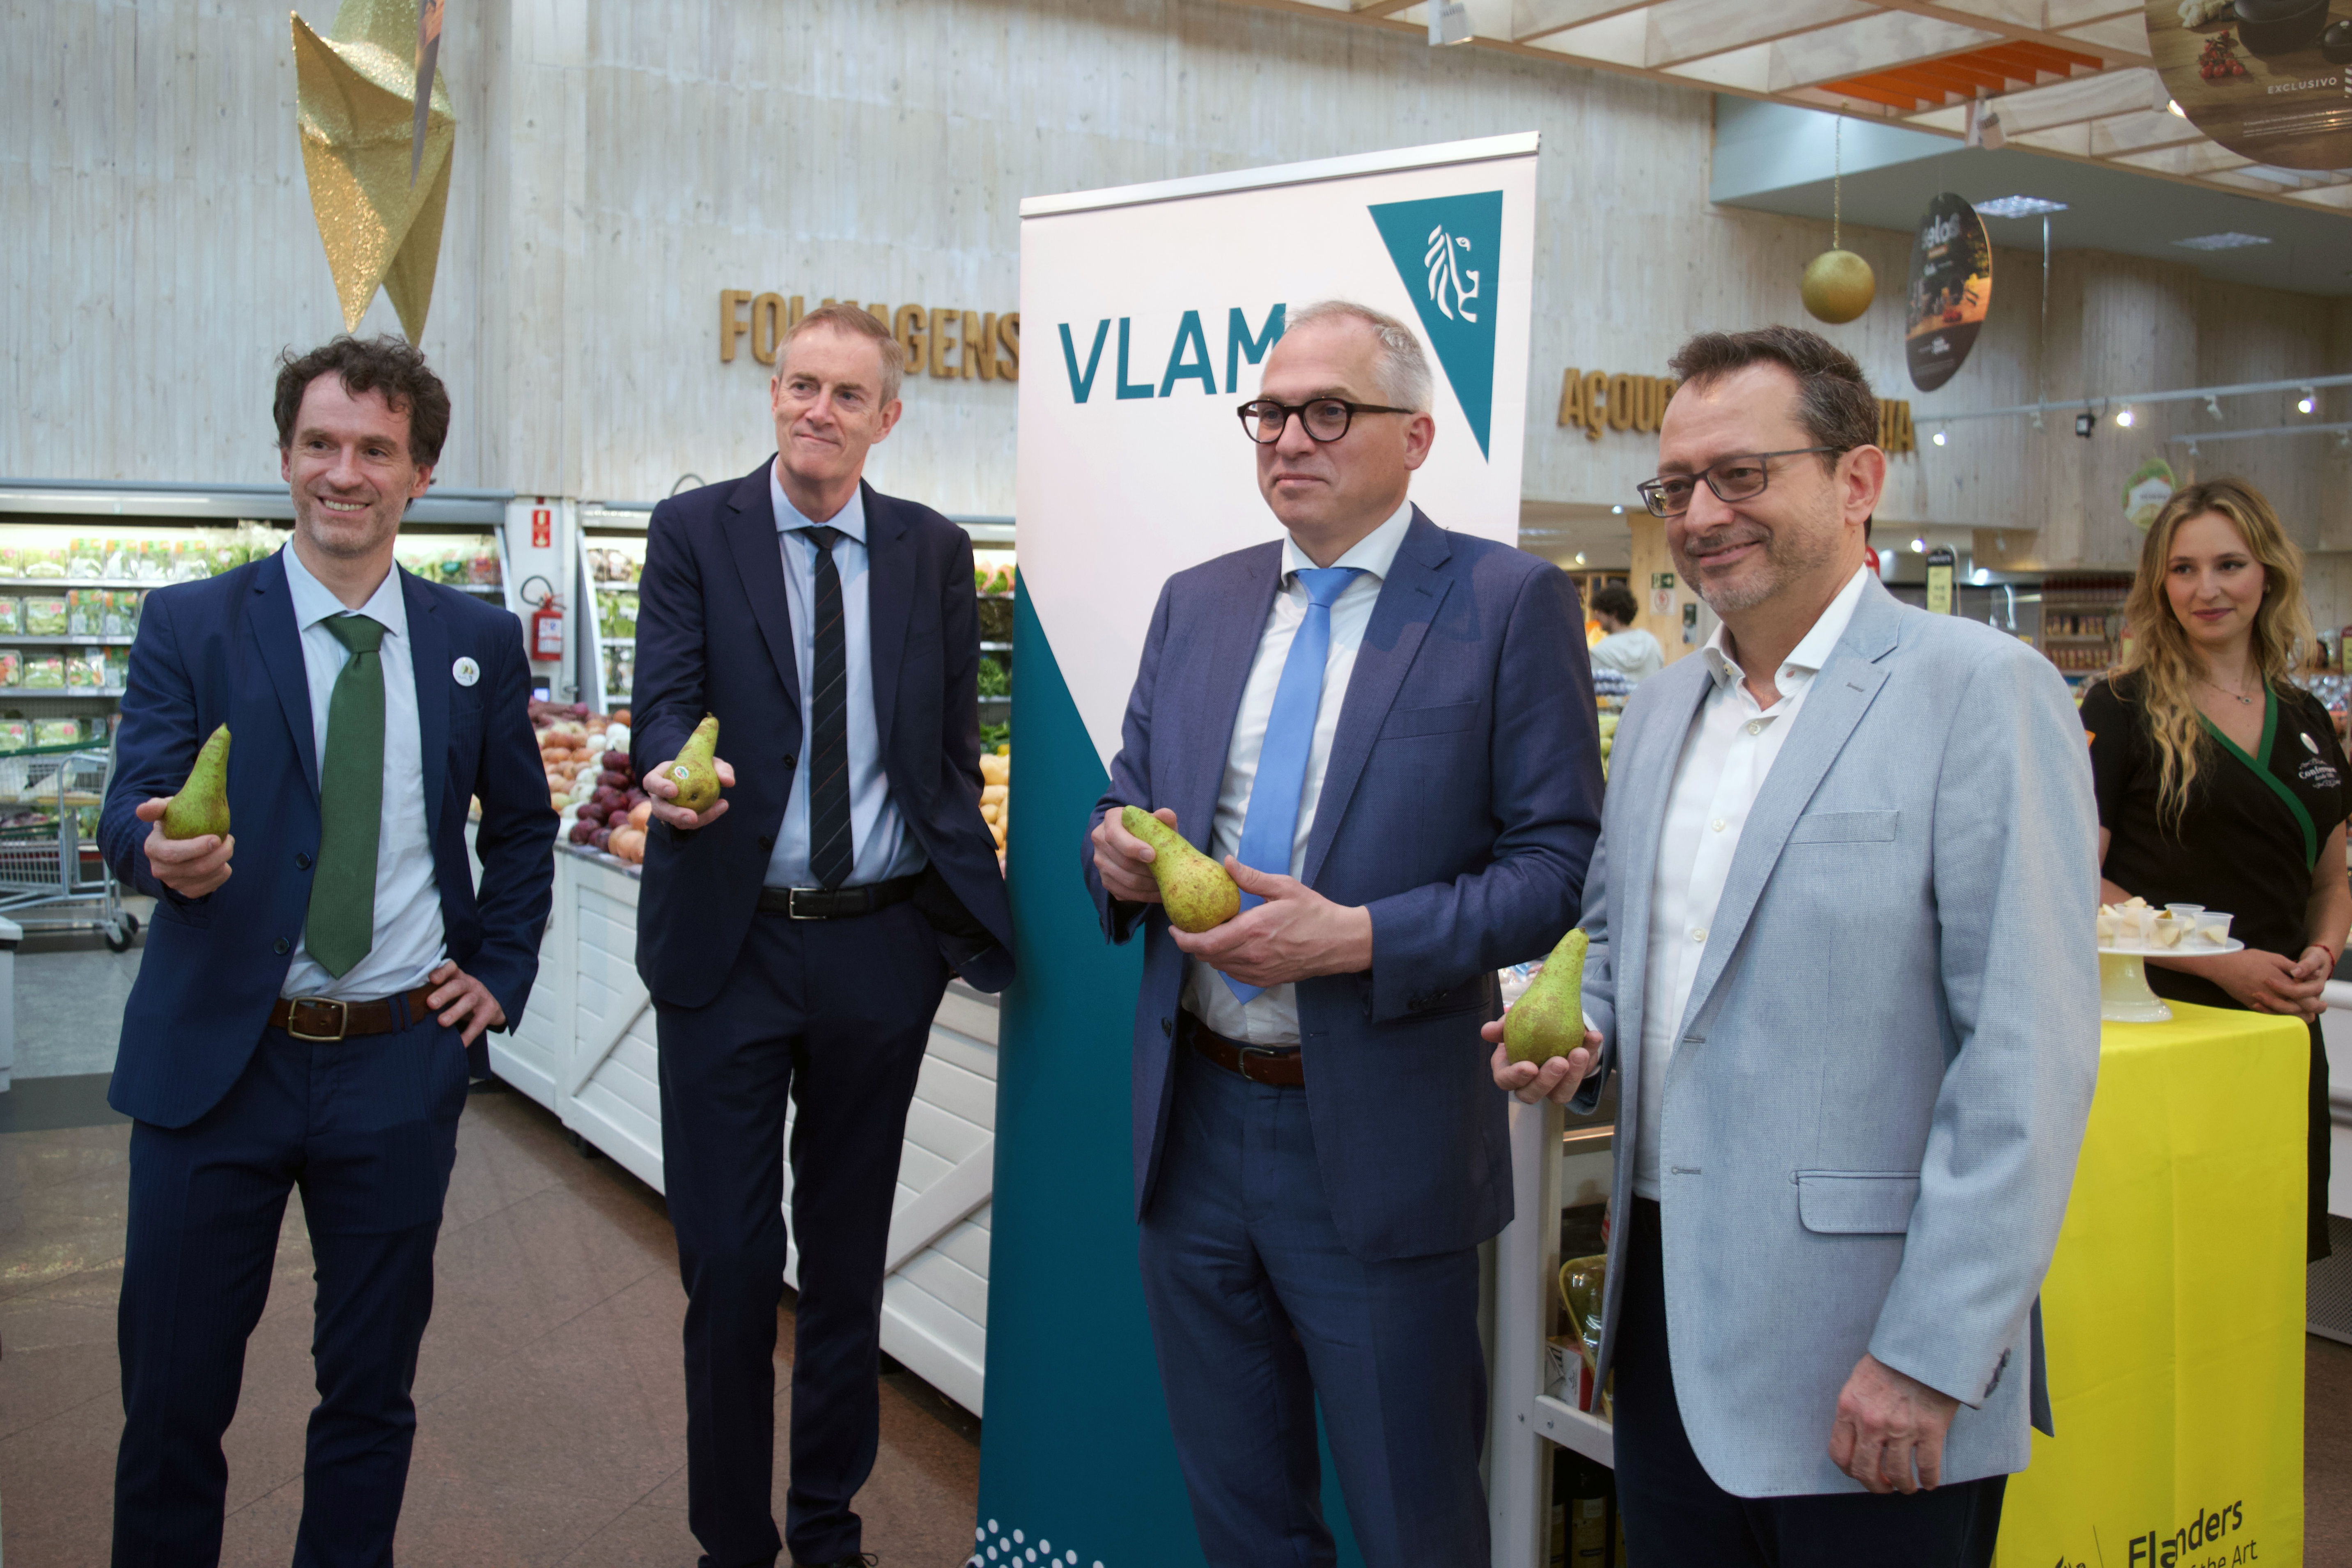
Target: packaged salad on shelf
(56,732)
(46,616)
(11,666)
(15,734)
(45,671)
(86,613)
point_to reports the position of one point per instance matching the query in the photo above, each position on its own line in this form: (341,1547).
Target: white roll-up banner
(1147,313)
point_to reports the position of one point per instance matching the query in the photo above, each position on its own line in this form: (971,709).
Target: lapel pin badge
(465,672)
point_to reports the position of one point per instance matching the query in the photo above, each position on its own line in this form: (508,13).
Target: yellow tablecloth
(2174,1310)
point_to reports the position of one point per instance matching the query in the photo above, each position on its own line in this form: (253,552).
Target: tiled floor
(552,1418)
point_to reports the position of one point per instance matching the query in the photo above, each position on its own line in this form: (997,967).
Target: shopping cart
(49,797)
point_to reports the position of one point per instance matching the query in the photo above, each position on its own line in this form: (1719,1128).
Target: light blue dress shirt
(408,935)
(884,849)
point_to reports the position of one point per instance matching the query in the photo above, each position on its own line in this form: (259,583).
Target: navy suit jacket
(1460,805)
(227,651)
(715,635)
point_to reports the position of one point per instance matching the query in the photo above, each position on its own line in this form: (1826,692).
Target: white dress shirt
(1271,1018)
(408,936)
(1726,758)
(881,843)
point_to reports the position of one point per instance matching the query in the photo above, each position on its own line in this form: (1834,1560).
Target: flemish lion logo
(1446,274)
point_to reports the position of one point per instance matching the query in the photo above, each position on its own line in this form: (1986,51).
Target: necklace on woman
(2241,701)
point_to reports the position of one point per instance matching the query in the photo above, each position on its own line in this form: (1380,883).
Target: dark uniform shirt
(2250,835)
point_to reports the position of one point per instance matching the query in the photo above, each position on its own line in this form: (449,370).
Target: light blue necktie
(1273,818)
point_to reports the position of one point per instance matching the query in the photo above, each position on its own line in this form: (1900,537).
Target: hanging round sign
(1951,287)
(2265,78)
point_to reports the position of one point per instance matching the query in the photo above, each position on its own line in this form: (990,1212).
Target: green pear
(202,804)
(694,773)
(1549,1020)
(1194,888)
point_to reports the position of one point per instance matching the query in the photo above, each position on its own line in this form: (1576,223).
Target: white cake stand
(2124,996)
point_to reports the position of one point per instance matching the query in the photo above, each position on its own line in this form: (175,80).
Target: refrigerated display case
(77,560)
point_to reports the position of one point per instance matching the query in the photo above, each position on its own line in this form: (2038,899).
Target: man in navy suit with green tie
(317,978)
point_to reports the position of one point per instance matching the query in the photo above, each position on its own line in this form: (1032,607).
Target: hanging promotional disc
(2265,78)
(1951,288)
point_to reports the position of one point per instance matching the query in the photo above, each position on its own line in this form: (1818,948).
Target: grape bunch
(2216,61)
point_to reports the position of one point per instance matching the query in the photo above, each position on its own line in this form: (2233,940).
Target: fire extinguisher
(546,625)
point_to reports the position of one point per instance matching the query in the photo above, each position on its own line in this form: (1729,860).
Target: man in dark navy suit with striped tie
(796,935)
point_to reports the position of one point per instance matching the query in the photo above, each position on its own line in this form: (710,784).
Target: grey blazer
(1872,1114)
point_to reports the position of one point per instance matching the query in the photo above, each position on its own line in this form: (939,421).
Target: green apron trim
(2270,731)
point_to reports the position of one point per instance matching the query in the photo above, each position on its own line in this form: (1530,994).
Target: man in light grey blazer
(1842,958)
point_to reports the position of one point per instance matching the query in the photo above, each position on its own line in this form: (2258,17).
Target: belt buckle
(792,904)
(342,1018)
(1266,1056)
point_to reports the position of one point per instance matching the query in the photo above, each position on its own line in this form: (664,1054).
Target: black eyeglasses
(1326,419)
(1733,478)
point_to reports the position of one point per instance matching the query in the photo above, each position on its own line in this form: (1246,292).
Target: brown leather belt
(1278,1066)
(322,1020)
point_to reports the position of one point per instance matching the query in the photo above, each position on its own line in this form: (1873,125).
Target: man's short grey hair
(1402,367)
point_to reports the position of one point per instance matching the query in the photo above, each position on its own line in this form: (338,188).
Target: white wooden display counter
(585,1051)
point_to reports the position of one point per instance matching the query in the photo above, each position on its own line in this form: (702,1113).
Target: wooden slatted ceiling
(2002,67)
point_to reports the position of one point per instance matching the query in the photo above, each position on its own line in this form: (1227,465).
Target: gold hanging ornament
(355,101)
(1839,285)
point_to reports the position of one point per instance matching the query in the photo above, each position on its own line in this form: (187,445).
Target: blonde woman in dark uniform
(2220,782)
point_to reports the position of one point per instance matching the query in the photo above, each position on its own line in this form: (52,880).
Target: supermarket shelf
(226,502)
(1569,1427)
(55,583)
(65,642)
(12,694)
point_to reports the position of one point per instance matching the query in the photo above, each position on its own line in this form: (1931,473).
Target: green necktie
(350,804)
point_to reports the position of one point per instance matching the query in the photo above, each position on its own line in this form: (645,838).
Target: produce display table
(2174,1312)
(585,1051)
(2173,1315)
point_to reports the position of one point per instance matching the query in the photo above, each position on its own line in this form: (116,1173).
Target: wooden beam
(2084,97)
(1869,90)
(2142,131)
(1874,44)
(1382,7)
(2121,96)
(1991,18)
(1682,30)
(1533,19)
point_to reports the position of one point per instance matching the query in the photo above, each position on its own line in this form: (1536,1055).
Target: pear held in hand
(694,773)
(202,804)
(1194,888)
(1548,1021)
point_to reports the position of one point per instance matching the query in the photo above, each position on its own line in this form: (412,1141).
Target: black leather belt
(322,1020)
(1278,1066)
(837,903)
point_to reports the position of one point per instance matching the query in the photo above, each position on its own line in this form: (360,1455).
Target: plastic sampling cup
(2214,929)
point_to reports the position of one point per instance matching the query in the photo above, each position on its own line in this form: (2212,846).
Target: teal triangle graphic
(1448,250)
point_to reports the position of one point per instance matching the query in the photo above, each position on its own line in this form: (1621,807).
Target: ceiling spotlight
(1980,576)
(2018,206)
(1449,23)
(1918,547)
(2172,106)
(1938,437)
(2085,422)
(2124,417)
(1579,558)
(2213,405)
(1617,511)
(2309,401)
